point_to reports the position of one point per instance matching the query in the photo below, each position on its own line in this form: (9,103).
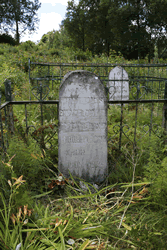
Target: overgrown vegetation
(39,209)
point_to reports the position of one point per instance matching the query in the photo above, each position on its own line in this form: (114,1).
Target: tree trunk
(138,28)
(83,38)
(17,33)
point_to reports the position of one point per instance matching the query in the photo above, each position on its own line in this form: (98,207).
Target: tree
(157,22)
(4,14)
(129,26)
(139,22)
(76,23)
(18,16)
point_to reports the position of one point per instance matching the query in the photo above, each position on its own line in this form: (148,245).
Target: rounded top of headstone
(79,73)
(83,77)
(118,72)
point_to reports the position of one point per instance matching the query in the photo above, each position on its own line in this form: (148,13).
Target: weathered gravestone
(83,126)
(118,84)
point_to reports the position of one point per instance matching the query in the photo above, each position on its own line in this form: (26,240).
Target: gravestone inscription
(118,84)
(83,126)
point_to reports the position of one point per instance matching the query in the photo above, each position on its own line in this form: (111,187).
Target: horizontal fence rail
(57,102)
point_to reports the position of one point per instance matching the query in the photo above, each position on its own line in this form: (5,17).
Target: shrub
(82,56)
(155,171)
(54,52)
(5,38)
(28,46)
(28,161)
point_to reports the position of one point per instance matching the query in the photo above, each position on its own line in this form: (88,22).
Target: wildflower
(9,182)
(13,218)
(25,222)
(25,210)
(19,213)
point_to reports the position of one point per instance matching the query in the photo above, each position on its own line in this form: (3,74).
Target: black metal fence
(145,80)
(146,108)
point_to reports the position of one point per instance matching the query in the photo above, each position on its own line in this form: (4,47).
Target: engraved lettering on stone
(118,84)
(83,126)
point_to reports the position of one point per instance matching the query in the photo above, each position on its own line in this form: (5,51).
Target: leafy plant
(28,161)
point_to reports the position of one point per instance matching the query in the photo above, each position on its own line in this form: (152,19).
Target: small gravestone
(83,126)
(118,84)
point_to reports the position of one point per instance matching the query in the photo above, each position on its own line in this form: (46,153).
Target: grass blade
(84,245)
(62,239)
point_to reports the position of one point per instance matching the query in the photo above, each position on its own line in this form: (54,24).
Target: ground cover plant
(40,209)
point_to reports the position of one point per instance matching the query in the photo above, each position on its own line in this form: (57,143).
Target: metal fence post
(1,128)
(42,143)
(165,109)
(8,95)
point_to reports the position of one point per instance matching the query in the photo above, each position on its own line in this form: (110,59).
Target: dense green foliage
(18,16)
(4,38)
(131,27)
(127,211)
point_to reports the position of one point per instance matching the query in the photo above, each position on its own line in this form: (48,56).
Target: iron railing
(149,78)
